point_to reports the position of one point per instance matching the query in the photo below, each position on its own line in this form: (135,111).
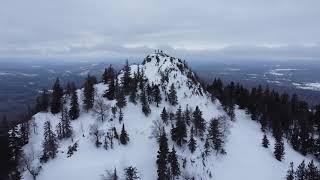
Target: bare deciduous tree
(157,129)
(33,167)
(94,131)
(101,108)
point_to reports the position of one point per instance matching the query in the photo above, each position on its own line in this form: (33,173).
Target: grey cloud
(209,29)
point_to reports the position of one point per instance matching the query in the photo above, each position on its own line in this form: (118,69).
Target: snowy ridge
(245,158)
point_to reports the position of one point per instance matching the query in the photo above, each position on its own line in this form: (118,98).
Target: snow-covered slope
(245,158)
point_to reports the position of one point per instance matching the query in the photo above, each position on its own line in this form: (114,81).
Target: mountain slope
(245,158)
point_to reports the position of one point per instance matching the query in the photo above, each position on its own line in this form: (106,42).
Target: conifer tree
(145,105)
(64,126)
(126,78)
(198,121)
(173,100)
(290,172)
(14,152)
(179,133)
(50,143)
(157,95)
(131,173)
(124,138)
(215,135)
(88,93)
(42,103)
(120,116)
(265,141)
(162,157)
(192,144)
(56,97)
(74,106)
(24,132)
(108,75)
(300,173)
(174,164)
(279,149)
(207,147)
(187,115)
(121,99)
(110,92)
(312,172)
(133,95)
(164,115)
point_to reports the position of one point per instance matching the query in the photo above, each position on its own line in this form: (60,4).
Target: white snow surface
(245,158)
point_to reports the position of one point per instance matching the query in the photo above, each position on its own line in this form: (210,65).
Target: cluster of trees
(130,173)
(12,138)
(303,172)
(109,136)
(137,87)
(282,114)
(167,162)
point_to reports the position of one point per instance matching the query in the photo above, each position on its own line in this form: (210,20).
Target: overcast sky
(205,29)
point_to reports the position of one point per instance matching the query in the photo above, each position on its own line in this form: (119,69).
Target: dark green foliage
(120,97)
(215,135)
(164,115)
(174,164)
(72,148)
(275,112)
(192,144)
(56,97)
(131,173)
(290,172)
(110,92)
(50,143)
(64,128)
(198,121)
(14,153)
(172,97)
(279,149)
(265,141)
(108,75)
(126,78)
(74,106)
(179,132)
(300,173)
(42,103)
(124,138)
(145,105)
(312,171)
(162,157)
(120,116)
(156,95)
(88,92)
